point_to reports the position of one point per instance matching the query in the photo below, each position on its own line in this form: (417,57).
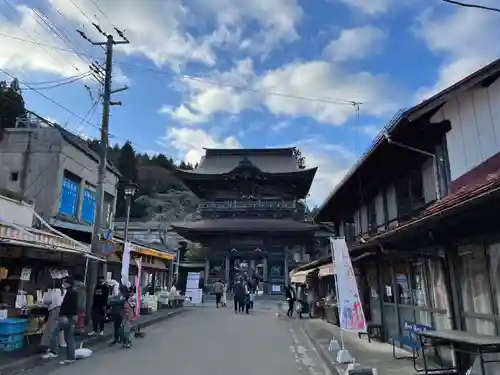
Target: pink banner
(138,262)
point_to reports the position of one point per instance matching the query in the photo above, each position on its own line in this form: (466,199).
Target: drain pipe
(423,152)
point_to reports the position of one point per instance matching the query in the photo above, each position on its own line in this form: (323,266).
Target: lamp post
(129,189)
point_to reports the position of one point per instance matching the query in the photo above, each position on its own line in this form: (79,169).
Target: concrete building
(57,171)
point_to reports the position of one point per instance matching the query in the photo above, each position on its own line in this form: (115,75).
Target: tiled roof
(82,145)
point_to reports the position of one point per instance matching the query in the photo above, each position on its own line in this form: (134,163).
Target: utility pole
(108,45)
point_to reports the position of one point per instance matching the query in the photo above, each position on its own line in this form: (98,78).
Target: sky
(322,75)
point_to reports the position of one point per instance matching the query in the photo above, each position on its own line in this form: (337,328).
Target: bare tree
(467,5)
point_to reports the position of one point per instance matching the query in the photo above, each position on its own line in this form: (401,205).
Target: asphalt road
(208,341)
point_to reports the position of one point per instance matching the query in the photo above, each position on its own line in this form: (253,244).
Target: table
(464,342)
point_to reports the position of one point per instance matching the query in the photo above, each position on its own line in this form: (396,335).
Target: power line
(83,119)
(30,36)
(49,99)
(215,83)
(55,81)
(468,5)
(102,12)
(83,76)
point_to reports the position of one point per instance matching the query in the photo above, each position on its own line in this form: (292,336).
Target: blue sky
(285,71)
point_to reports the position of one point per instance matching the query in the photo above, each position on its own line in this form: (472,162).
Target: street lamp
(130,189)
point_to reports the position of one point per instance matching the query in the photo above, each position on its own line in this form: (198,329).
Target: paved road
(209,341)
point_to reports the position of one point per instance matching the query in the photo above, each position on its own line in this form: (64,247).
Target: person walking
(311,300)
(239,296)
(116,303)
(224,296)
(301,298)
(127,317)
(53,299)
(66,322)
(81,290)
(218,290)
(290,297)
(99,305)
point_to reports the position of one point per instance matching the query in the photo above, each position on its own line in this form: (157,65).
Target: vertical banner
(352,317)
(127,247)
(138,262)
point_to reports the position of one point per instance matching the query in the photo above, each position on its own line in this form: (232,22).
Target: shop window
(418,284)
(402,283)
(438,294)
(473,280)
(493,253)
(388,292)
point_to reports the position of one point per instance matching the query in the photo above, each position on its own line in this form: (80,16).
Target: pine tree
(11,105)
(127,165)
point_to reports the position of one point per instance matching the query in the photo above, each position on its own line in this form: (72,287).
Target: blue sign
(416,328)
(88,205)
(70,191)
(107,248)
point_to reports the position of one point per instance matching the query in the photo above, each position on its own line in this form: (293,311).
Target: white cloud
(333,161)
(370,7)
(162,38)
(190,142)
(370,131)
(161,31)
(355,44)
(277,20)
(18,56)
(468,39)
(314,79)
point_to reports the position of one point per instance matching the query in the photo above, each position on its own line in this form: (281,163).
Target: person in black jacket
(99,305)
(66,322)
(291,298)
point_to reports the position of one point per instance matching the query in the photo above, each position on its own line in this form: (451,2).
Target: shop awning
(20,236)
(299,277)
(146,250)
(326,270)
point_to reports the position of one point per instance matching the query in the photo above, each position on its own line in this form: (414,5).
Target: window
(474,280)
(88,204)
(493,254)
(418,289)
(14,176)
(410,193)
(70,193)
(372,217)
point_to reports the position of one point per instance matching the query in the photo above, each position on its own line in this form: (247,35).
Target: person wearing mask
(66,322)
(128,315)
(82,304)
(218,291)
(239,296)
(99,305)
(116,302)
(52,298)
(290,297)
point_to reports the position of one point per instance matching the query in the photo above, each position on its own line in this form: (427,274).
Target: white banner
(351,315)
(138,262)
(127,247)
(193,280)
